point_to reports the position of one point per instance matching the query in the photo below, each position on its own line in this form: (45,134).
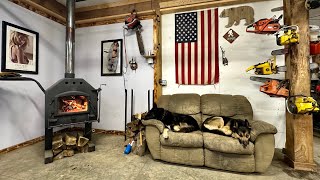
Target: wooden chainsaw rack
(299,130)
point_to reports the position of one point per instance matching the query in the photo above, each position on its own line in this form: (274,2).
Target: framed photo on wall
(19,49)
(111,57)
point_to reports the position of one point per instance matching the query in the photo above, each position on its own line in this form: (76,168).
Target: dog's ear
(155,105)
(247,123)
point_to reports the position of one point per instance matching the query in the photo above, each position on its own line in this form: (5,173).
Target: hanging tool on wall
(289,36)
(133,64)
(273,87)
(265,26)
(270,67)
(300,104)
(224,59)
(132,23)
(312,4)
(267,68)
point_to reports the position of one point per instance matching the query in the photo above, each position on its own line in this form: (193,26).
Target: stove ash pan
(71,101)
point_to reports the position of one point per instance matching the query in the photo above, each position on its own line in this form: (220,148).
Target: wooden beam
(299,129)
(110,5)
(109,21)
(48,8)
(157,59)
(191,5)
(112,19)
(114,11)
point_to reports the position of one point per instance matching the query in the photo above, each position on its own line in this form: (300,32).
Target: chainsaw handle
(250,68)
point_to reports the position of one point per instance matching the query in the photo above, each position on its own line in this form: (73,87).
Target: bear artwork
(235,14)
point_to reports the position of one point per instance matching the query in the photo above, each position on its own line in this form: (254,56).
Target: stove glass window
(73,104)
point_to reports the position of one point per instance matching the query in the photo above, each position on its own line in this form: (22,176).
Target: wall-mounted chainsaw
(265,26)
(273,87)
(132,23)
(289,36)
(267,68)
(312,4)
(301,104)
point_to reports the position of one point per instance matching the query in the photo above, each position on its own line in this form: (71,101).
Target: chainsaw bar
(281,68)
(262,79)
(284,68)
(279,52)
(277,9)
(140,42)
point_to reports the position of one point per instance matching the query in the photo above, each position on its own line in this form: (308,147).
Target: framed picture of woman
(19,49)
(111,57)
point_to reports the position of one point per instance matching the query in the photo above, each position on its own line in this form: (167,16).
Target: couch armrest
(153,122)
(263,151)
(261,127)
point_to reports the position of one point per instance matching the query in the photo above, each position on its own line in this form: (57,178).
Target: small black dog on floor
(176,122)
(236,128)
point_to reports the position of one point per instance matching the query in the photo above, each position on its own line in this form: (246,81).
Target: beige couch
(208,149)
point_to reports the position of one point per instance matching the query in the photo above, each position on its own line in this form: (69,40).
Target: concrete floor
(109,162)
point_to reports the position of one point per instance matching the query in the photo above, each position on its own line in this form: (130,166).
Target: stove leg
(88,134)
(48,138)
(48,154)
(88,130)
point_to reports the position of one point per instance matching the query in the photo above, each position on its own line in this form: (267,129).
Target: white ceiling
(89,2)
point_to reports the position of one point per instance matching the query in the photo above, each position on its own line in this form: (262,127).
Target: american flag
(196,47)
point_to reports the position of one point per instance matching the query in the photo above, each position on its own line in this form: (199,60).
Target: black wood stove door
(71,101)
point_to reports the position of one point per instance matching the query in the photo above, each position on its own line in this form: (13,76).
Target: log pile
(135,131)
(67,144)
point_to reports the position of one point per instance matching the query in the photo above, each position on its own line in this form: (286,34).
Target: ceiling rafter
(110,5)
(116,11)
(48,8)
(175,6)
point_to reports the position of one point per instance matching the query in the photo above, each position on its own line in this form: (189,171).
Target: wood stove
(71,100)
(68,102)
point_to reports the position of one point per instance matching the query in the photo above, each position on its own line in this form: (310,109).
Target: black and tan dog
(173,121)
(236,128)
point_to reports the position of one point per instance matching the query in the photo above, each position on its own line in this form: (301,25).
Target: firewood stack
(67,144)
(136,132)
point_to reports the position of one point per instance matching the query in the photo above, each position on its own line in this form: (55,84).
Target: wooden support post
(299,131)
(157,50)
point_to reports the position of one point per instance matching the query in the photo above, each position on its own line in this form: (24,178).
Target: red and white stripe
(198,62)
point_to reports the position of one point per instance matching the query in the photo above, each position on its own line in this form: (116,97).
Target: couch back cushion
(163,101)
(235,106)
(188,104)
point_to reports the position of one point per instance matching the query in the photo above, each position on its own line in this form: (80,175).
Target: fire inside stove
(73,104)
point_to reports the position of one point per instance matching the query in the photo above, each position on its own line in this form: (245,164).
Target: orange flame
(73,104)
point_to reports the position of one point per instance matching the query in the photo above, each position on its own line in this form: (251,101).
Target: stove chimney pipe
(70,28)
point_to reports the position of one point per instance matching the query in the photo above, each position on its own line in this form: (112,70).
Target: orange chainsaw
(273,87)
(265,26)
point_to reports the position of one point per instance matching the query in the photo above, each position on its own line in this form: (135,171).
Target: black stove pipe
(70,28)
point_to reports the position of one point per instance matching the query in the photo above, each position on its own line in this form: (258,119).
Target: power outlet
(163,82)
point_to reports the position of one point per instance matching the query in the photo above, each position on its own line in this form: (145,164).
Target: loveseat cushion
(225,144)
(193,139)
(185,104)
(261,127)
(235,106)
(163,101)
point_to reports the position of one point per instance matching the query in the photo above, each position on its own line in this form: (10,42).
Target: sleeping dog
(227,126)
(173,121)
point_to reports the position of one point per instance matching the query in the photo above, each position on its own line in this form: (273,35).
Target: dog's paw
(228,132)
(235,135)
(176,128)
(165,134)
